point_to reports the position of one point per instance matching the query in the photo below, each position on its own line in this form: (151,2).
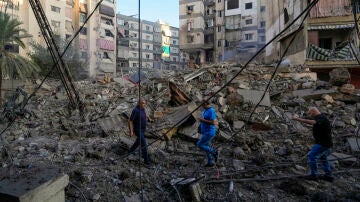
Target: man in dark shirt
(137,126)
(323,143)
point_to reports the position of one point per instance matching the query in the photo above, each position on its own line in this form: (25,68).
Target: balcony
(209,2)
(209,30)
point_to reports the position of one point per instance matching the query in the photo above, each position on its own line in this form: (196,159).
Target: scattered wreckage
(269,147)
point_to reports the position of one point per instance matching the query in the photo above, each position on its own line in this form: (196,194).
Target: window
(190,9)
(108,33)
(248,21)
(147,47)
(84,55)
(174,59)
(107,21)
(134,55)
(147,37)
(174,42)
(83,31)
(219,43)
(55,9)
(262,9)
(147,28)
(262,39)
(248,6)
(106,55)
(262,24)
(248,37)
(147,56)
(82,17)
(232,4)
(219,14)
(219,1)
(55,24)
(134,65)
(190,39)
(219,28)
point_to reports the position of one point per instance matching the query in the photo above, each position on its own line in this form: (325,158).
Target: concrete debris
(93,149)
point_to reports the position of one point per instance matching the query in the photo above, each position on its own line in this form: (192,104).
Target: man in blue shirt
(137,126)
(208,131)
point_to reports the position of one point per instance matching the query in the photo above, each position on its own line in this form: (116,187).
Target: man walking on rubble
(323,143)
(208,131)
(137,126)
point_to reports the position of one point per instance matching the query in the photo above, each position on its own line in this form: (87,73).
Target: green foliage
(42,57)
(12,65)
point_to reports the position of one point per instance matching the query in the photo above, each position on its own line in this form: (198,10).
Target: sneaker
(209,165)
(327,178)
(216,155)
(311,177)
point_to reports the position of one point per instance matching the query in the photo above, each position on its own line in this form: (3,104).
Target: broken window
(190,9)
(232,4)
(108,33)
(190,39)
(107,21)
(286,16)
(106,55)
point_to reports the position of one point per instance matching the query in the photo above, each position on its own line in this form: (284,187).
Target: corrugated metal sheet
(329,27)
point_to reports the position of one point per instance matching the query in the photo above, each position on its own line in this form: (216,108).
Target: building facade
(326,40)
(222,30)
(97,40)
(158,44)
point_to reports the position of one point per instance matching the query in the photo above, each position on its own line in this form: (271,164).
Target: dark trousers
(140,138)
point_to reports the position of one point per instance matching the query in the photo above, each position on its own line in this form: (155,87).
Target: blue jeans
(319,152)
(140,137)
(204,144)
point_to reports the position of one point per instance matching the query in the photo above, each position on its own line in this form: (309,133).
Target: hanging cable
(55,64)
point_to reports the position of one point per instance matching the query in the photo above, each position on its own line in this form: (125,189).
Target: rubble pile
(262,150)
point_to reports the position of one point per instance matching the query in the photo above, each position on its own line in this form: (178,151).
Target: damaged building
(327,39)
(52,151)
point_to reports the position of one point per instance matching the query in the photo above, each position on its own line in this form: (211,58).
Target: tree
(42,57)
(13,65)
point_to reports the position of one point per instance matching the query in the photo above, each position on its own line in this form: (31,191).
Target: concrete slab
(312,93)
(341,157)
(35,184)
(111,124)
(354,143)
(254,96)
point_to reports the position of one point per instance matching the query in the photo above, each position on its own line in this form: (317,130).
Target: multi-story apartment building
(221,30)
(159,44)
(96,41)
(326,40)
